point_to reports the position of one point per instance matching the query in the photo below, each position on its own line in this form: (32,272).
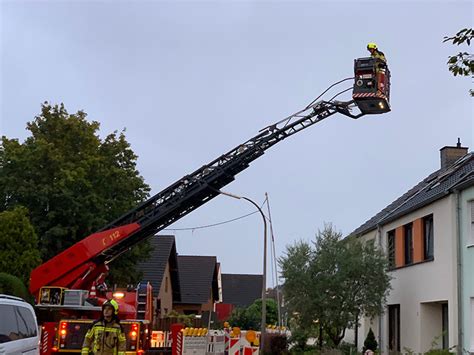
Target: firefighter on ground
(105,336)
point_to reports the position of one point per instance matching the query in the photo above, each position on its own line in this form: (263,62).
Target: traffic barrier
(235,345)
(250,338)
(227,338)
(250,350)
(194,345)
(189,341)
(169,338)
(160,339)
(216,342)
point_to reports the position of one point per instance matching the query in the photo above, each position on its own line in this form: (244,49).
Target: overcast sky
(191,80)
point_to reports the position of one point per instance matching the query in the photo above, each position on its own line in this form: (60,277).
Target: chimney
(451,154)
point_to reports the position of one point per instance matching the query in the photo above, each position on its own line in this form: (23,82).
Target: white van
(19,333)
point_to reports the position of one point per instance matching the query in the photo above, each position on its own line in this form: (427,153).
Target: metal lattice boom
(191,191)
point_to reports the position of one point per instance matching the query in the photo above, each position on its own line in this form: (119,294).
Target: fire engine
(69,288)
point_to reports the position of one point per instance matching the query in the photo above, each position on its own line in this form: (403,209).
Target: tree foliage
(251,317)
(463,62)
(71,181)
(333,283)
(12,285)
(19,253)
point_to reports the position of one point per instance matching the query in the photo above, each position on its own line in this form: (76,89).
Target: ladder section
(202,185)
(141,301)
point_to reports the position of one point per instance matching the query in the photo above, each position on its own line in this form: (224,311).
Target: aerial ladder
(84,265)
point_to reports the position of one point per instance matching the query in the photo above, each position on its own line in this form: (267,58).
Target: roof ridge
(434,179)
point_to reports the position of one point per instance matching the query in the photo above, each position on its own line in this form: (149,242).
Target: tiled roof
(437,185)
(197,275)
(241,290)
(164,250)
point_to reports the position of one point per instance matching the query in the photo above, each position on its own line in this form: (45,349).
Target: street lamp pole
(264,276)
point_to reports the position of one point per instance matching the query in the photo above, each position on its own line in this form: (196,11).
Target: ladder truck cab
(70,288)
(371,90)
(66,315)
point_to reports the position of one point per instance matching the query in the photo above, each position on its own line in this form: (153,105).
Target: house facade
(199,284)
(466,205)
(161,270)
(238,291)
(423,235)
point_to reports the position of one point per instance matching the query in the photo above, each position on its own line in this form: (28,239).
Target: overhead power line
(215,224)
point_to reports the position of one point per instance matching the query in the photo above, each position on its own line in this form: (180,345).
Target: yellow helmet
(371,45)
(111,303)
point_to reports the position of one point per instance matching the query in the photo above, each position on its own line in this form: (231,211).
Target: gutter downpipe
(459,273)
(379,237)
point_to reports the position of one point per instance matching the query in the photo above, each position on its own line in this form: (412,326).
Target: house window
(428,237)
(391,248)
(394,327)
(408,239)
(445,325)
(166,284)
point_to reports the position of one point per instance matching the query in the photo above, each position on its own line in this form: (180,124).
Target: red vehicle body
(74,300)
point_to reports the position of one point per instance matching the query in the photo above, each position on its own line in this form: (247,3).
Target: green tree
(12,285)
(19,253)
(295,266)
(240,318)
(369,282)
(251,317)
(271,311)
(72,182)
(334,283)
(463,62)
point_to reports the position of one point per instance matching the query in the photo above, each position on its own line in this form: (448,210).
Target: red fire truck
(69,289)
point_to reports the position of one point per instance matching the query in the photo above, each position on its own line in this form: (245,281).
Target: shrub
(12,285)
(370,343)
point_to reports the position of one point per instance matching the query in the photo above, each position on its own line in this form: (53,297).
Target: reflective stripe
(109,329)
(104,338)
(89,334)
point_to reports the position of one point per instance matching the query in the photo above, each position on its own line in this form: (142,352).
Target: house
(238,291)
(466,252)
(241,290)
(428,235)
(161,270)
(199,284)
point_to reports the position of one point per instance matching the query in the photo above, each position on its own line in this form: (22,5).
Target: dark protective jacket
(378,54)
(104,338)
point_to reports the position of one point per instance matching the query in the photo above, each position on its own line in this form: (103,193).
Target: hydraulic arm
(197,188)
(86,261)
